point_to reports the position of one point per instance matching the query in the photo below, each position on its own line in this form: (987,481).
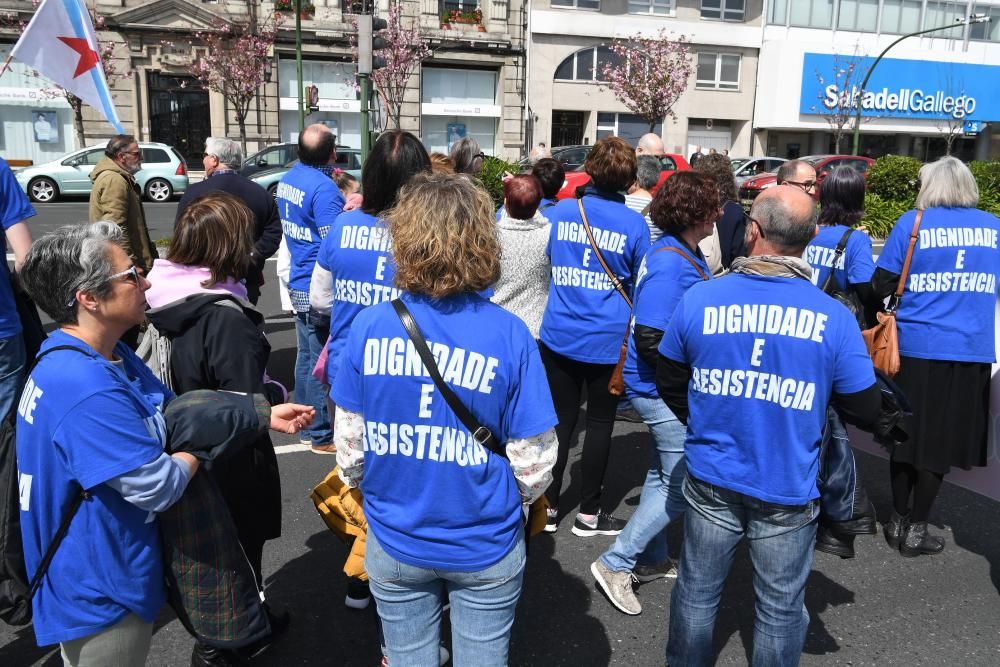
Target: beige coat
(116,197)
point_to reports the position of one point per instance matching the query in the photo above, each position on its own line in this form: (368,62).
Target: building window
(858,15)
(655,7)
(585,65)
(448,6)
(718,71)
(628,126)
(458,103)
(811,13)
(942,14)
(577,4)
(986,31)
(900,17)
(726,10)
(778,13)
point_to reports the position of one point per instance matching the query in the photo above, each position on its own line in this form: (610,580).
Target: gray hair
(648,171)
(466,156)
(117,145)
(947,183)
(68,260)
(788,169)
(782,227)
(226,150)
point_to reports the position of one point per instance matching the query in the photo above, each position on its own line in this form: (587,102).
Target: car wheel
(273,190)
(42,190)
(158,189)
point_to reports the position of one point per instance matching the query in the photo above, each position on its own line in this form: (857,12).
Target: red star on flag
(88,56)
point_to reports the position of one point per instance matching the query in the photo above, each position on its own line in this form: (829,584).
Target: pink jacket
(173,282)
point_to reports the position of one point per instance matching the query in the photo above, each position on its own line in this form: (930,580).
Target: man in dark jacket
(223,157)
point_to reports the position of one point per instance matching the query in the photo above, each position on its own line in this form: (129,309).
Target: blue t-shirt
(357,254)
(948,307)
(663,278)
(14,208)
(433,496)
(308,203)
(766,353)
(856,264)
(81,422)
(585,317)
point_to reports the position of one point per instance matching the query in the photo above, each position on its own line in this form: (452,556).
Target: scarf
(779,266)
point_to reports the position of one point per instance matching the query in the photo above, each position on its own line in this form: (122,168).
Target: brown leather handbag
(616,385)
(882,340)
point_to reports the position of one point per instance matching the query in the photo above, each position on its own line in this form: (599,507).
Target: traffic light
(368,43)
(378,42)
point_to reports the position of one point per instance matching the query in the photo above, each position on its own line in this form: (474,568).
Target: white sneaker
(618,587)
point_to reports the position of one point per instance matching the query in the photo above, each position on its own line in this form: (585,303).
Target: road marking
(288,449)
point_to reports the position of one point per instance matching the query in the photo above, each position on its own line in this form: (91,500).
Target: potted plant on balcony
(307,8)
(460,17)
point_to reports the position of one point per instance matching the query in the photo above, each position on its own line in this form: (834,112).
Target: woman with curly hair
(684,209)
(732,224)
(444,512)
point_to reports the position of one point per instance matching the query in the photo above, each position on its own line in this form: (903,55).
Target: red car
(823,164)
(669,163)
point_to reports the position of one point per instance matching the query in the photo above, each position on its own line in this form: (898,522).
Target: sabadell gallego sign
(900,88)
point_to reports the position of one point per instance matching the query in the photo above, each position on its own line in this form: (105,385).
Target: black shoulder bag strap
(74,505)
(838,252)
(480,433)
(615,282)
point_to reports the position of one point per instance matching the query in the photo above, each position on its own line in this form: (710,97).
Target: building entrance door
(567,128)
(179,115)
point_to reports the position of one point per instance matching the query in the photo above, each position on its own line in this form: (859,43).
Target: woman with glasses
(467,157)
(685,208)
(946,342)
(586,318)
(92,420)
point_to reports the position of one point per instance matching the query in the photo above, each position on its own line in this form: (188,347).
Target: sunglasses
(130,275)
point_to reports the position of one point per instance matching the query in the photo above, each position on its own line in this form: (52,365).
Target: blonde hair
(947,183)
(442,163)
(444,236)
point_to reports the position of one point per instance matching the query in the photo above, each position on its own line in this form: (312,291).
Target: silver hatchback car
(163,175)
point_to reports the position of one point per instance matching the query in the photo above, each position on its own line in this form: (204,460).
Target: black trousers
(567,378)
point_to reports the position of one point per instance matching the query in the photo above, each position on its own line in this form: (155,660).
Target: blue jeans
(410,600)
(308,390)
(11,372)
(644,539)
(781,549)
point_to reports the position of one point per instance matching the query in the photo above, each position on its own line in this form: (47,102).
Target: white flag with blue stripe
(61,44)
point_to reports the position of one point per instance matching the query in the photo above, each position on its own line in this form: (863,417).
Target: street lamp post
(975,18)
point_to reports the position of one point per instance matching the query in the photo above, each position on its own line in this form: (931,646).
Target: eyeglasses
(479,155)
(205,155)
(805,186)
(131,275)
(132,152)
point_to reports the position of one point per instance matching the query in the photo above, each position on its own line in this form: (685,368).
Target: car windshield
(812,160)
(738,162)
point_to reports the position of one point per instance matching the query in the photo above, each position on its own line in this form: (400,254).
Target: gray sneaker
(665,570)
(618,587)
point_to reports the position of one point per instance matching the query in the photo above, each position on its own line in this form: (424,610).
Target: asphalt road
(159,217)
(877,609)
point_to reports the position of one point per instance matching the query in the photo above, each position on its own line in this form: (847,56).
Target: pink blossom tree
(234,63)
(406,50)
(648,74)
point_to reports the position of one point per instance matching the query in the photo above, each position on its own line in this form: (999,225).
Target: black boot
(918,541)
(829,541)
(206,656)
(896,529)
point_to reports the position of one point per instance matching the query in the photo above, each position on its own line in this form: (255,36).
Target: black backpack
(15,588)
(847,297)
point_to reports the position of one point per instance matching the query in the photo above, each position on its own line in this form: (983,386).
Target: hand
(291,417)
(506,176)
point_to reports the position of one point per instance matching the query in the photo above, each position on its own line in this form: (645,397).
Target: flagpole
(6,64)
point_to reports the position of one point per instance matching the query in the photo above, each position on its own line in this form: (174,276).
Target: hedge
(491,175)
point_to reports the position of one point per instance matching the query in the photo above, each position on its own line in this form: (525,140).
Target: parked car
(571,157)
(669,163)
(163,175)
(272,157)
(745,167)
(823,164)
(348,159)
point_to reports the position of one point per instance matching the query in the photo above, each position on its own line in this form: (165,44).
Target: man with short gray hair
(749,362)
(222,158)
(799,174)
(640,195)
